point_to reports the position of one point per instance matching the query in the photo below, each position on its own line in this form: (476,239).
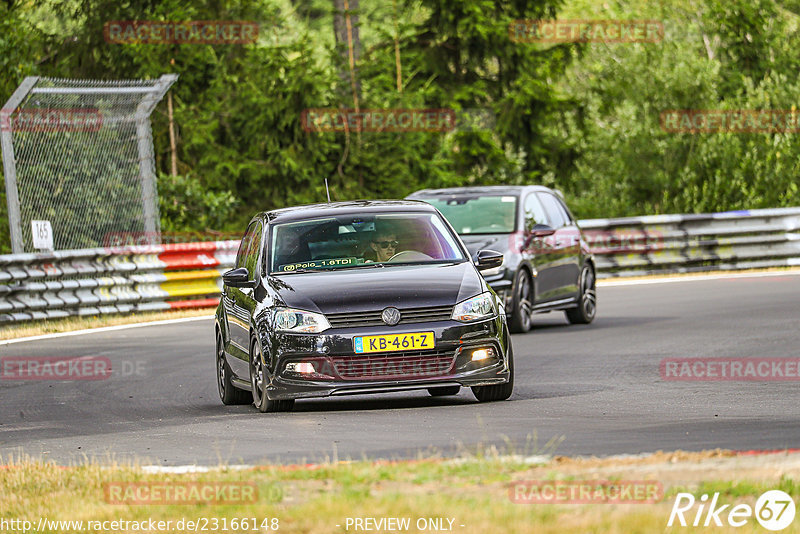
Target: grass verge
(471,491)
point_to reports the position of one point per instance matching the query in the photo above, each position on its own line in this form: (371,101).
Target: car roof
(333,209)
(478,190)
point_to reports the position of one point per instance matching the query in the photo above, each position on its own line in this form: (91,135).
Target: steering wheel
(409,255)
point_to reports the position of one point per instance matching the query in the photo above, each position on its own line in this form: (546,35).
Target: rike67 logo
(774,510)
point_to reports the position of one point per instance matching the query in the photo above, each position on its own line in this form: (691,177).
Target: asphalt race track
(596,388)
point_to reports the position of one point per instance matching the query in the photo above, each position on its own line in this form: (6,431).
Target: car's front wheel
(228,393)
(497,392)
(587,299)
(258,383)
(522,303)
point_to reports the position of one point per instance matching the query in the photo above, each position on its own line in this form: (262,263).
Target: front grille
(420,364)
(373,318)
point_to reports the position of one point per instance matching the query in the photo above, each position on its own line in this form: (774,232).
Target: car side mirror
(542,230)
(238,278)
(488,259)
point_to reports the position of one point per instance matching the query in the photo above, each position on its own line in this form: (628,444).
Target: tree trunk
(348,42)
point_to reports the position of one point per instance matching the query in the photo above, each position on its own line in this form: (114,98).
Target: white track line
(541,459)
(185,469)
(104,329)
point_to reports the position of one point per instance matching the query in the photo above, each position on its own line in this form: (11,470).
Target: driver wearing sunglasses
(384,244)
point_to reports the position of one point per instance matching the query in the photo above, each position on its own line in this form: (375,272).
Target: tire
(444,391)
(497,392)
(228,393)
(587,299)
(258,384)
(522,303)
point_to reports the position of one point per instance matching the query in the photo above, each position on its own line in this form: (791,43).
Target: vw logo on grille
(391,316)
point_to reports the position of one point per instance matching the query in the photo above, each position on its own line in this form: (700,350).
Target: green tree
(729,57)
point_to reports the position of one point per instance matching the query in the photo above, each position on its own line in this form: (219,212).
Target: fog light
(302,368)
(482,354)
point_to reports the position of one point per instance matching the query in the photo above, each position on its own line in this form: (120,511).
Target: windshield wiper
(362,265)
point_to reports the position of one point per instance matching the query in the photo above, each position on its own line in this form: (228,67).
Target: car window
(555,213)
(251,256)
(244,245)
(534,212)
(478,214)
(565,211)
(349,241)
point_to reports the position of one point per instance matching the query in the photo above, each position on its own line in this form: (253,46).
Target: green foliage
(581,117)
(733,57)
(18,54)
(186,204)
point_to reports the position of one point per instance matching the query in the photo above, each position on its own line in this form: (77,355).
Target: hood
(496,242)
(370,289)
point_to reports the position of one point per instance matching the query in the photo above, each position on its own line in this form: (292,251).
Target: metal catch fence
(78,161)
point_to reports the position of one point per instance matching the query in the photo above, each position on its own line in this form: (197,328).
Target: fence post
(145,146)
(10,163)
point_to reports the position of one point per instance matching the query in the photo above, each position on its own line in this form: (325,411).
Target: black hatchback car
(358,297)
(547,265)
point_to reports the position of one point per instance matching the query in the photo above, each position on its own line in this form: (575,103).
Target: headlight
(299,321)
(475,309)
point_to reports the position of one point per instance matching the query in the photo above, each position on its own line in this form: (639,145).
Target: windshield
(475,214)
(361,240)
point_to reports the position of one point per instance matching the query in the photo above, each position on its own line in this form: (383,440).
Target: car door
(571,241)
(538,250)
(241,301)
(228,294)
(564,251)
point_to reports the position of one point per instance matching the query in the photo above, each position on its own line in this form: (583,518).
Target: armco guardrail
(113,280)
(188,275)
(635,246)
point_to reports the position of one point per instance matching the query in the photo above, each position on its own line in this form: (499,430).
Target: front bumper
(340,371)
